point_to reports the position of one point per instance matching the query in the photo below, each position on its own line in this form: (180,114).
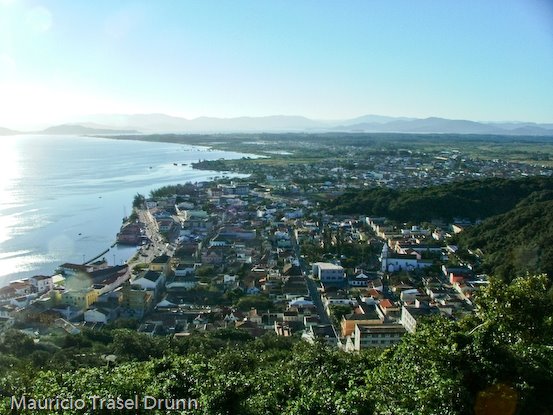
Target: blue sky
(479,60)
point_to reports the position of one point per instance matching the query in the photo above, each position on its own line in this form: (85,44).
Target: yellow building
(80,298)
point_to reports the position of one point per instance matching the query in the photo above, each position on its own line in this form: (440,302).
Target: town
(261,255)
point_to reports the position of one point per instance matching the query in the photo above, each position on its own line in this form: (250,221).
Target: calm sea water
(62,198)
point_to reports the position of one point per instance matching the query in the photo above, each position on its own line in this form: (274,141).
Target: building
(81,299)
(151,280)
(328,272)
(411,315)
(42,283)
(135,300)
(392,262)
(161,264)
(381,335)
(321,332)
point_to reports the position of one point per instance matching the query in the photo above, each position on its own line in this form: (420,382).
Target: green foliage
(337,311)
(517,242)
(171,190)
(138,201)
(473,199)
(259,302)
(131,345)
(17,343)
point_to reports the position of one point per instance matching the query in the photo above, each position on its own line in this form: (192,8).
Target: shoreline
(40,262)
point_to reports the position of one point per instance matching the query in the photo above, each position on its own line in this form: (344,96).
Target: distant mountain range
(161,123)
(70,129)
(7,131)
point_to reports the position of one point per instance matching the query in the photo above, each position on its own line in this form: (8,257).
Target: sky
(481,60)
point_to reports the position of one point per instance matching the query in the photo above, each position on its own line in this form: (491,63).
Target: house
(99,315)
(249,326)
(359,280)
(161,264)
(42,283)
(212,256)
(22,301)
(136,300)
(131,234)
(388,308)
(282,329)
(108,279)
(229,279)
(321,332)
(392,262)
(166,225)
(363,314)
(6,312)
(79,298)
(69,269)
(185,283)
(151,280)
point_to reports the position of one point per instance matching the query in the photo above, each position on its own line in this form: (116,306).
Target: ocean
(63,198)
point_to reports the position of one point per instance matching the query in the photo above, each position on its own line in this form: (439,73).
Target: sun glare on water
(9,172)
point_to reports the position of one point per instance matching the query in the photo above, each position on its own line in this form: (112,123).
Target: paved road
(156,247)
(312,285)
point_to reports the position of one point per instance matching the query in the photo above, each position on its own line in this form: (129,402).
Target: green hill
(473,199)
(519,241)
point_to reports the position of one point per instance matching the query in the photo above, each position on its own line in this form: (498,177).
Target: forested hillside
(517,242)
(474,199)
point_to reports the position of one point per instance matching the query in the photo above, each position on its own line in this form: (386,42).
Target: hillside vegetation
(517,242)
(474,199)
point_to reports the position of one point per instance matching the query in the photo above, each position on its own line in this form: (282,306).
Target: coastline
(62,233)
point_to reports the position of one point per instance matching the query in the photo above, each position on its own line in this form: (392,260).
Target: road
(156,247)
(312,285)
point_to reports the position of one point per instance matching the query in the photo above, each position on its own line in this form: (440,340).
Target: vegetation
(474,199)
(138,201)
(517,242)
(177,189)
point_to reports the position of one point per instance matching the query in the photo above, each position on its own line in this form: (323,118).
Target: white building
(328,272)
(42,283)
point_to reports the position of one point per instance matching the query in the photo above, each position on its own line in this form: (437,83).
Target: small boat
(175,164)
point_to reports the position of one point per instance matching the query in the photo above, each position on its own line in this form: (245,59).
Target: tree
(138,201)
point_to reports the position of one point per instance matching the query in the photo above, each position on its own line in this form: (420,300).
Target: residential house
(161,264)
(151,280)
(100,315)
(42,283)
(79,298)
(136,300)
